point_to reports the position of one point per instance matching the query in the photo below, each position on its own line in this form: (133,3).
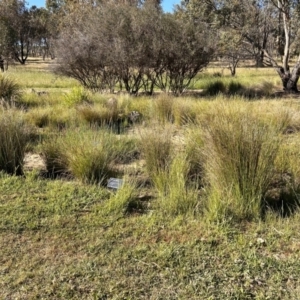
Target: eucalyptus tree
(44,30)
(267,26)
(16,18)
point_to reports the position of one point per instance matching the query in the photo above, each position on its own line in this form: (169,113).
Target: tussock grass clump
(215,87)
(163,109)
(10,91)
(55,156)
(57,117)
(176,195)
(14,139)
(267,88)
(39,117)
(284,193)
(240,152)
(219,86)
(97,115)
(194,153)
(156,148)
(185,112)
(30,100)
(234,87)
(85,154)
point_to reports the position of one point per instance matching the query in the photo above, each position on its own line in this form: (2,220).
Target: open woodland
(208,208)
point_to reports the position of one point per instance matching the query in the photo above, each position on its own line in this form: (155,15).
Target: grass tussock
(185,112)
(86,154)
(163,109)
(194,152)
(10,90)
(176,195)
(55,156)
(156,148)
(240,153)
(97,115)
(14,140)
(57,117)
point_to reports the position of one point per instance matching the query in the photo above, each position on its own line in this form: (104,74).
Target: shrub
(14,139)
(240,151)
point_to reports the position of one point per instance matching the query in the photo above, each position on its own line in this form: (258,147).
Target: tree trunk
(1,64)
(289,79)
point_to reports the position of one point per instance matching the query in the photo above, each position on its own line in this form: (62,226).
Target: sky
(166,4)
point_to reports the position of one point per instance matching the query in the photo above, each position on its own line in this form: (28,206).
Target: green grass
(39,76)
(56,243)
(69,237)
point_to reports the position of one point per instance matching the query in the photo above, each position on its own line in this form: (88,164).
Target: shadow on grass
(283,196)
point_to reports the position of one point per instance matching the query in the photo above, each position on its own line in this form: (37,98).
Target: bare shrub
(144,49)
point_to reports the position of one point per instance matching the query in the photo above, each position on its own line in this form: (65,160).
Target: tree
(16,20)
(260,23)
(44,28)
(289,12)
(230,48)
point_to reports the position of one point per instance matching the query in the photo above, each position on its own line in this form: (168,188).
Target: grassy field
(209,204)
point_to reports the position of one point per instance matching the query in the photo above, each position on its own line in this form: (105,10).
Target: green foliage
(14,139)
(194,152)
(39,117)
(240,153)
(57,117)
(78,95)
